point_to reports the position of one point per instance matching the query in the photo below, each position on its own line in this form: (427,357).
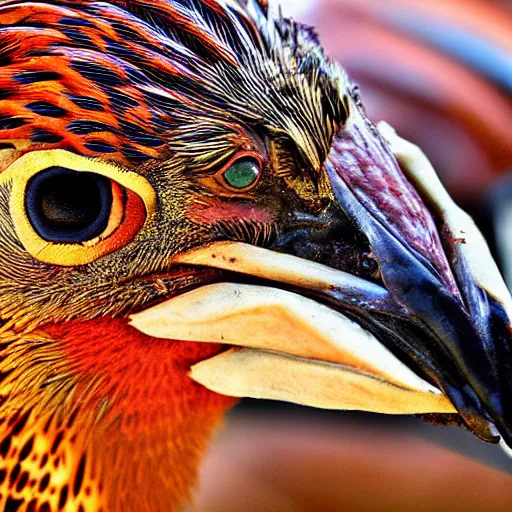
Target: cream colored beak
(287,347)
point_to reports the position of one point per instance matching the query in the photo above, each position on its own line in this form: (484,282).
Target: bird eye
(243,173)
(71,210)
(68,206)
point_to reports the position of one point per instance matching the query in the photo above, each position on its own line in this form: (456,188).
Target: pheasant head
(193,208)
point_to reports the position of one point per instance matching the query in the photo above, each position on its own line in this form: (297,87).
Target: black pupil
(68,206)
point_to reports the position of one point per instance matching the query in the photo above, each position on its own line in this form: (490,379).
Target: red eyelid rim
(232,160)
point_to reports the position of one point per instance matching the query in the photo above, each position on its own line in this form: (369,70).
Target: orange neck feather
(142,424)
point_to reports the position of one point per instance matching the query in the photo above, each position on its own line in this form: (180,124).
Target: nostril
(369,264)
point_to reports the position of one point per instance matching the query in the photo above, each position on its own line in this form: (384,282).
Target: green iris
(243,173)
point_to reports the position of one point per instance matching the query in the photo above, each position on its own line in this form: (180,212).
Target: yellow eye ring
(128,212)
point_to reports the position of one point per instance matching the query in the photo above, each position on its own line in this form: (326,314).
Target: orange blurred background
(440,71)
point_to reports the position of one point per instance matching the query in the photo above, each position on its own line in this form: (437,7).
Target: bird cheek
(219,211)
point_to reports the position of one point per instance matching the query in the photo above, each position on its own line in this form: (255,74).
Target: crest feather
(123,79)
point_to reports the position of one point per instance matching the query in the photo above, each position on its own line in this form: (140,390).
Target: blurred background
(439,71)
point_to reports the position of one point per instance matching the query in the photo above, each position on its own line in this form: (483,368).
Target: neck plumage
(97,416)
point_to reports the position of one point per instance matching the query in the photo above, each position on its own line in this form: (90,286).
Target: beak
(473,329)
(432,336)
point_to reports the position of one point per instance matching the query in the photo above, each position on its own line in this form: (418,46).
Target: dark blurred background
(440,72)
